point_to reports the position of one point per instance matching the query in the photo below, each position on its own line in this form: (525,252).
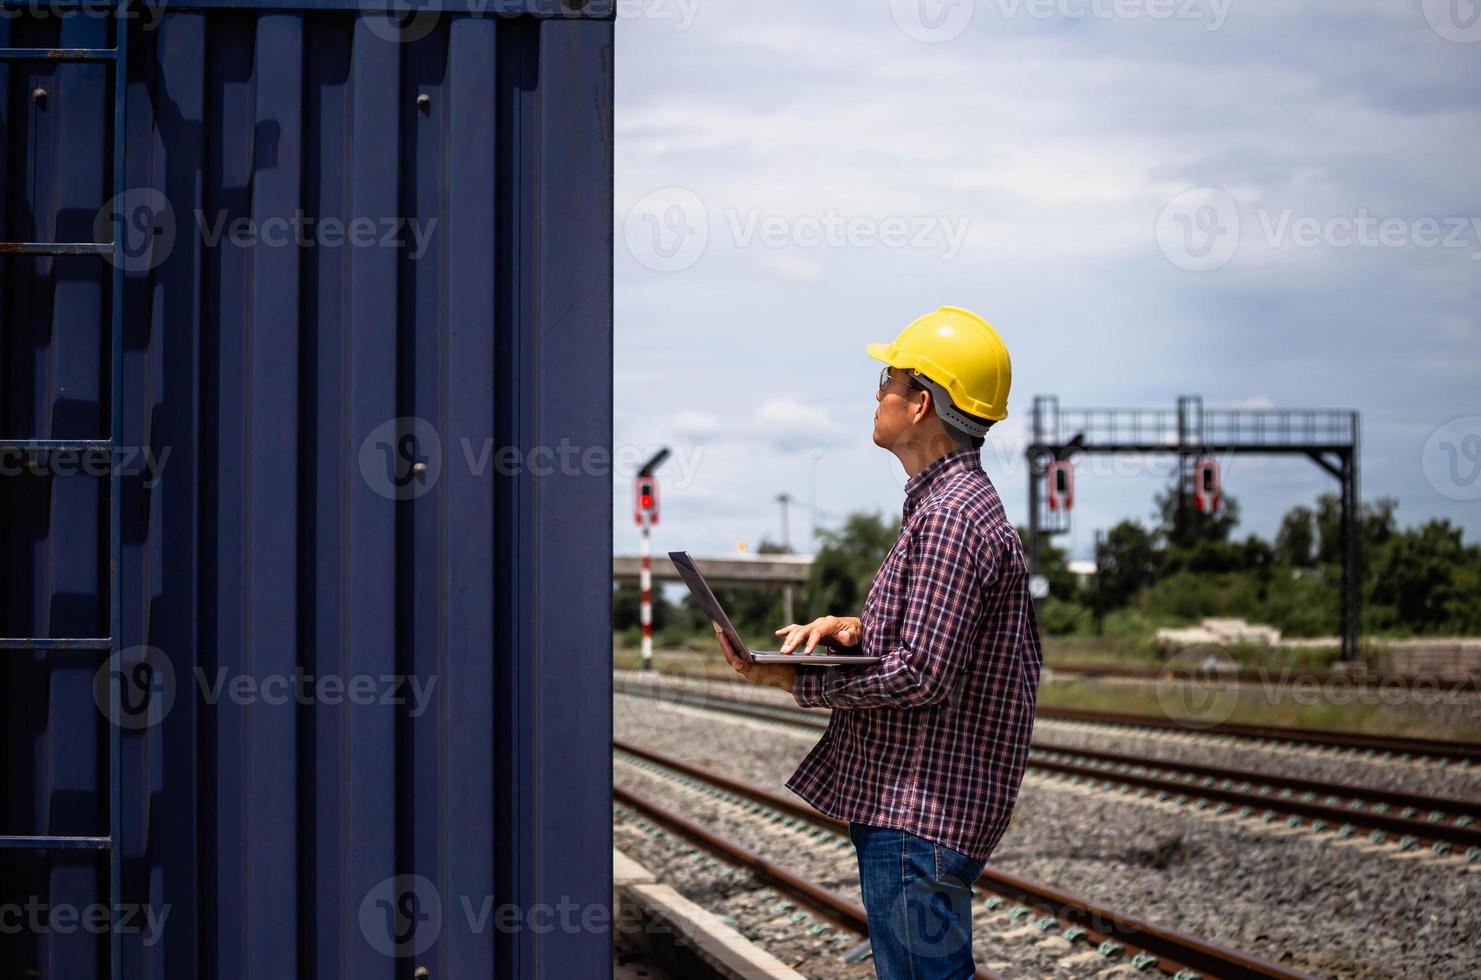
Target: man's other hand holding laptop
(843,631)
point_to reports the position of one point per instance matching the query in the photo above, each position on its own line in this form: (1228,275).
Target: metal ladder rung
(56,248)
(57,445)
(52,843)
(56,643)
(58,54)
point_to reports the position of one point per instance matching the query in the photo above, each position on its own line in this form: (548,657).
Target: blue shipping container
(305,508)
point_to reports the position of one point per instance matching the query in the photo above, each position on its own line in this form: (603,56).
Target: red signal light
(645,501)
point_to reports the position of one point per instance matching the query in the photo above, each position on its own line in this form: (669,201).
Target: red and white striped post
(645,581)
(645,515)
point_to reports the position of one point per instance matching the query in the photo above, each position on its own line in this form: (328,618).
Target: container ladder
(117,57)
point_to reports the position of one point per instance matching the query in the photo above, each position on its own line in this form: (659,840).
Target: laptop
(824,655)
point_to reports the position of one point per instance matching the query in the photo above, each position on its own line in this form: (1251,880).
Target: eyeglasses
(885,378)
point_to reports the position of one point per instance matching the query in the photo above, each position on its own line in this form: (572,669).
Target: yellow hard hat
(960,352)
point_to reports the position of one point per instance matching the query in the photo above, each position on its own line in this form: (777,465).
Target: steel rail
(1420,802)
(1175,951)
(1336,738)
(835,908)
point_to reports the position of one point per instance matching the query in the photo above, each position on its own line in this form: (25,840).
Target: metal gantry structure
(1329,437)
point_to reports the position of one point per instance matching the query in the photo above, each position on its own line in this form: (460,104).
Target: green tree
(755,609)
(1189,526)
(1054,565)
(627,602)
(1429,579)
(1296,539)
(845,565)
(1129,561)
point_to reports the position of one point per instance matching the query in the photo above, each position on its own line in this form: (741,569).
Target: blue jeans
(919,898)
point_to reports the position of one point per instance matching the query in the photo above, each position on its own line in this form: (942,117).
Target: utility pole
(787,613)
(1097,607)
(784,499)
(812,538)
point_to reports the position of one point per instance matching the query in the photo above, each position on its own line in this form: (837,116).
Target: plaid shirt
(934,738)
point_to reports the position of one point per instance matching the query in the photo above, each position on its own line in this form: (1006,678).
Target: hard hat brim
(880,352)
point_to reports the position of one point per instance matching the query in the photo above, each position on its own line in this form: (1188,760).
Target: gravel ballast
(1331,909)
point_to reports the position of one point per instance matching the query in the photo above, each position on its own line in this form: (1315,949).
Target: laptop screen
(706,600)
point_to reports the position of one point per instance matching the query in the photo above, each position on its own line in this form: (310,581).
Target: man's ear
(922,407)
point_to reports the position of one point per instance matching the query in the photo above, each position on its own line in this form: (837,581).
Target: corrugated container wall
(355,639)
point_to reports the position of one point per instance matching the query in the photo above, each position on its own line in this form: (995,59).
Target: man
(925,751)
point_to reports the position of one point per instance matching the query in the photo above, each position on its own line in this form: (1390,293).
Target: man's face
(895,414)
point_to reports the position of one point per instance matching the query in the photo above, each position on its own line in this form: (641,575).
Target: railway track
(1460,753)
(1410,819)
(1112,934)
(1356,743)
(1280,676)
(826,904)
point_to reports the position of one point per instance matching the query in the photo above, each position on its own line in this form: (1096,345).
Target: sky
(1268,204)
